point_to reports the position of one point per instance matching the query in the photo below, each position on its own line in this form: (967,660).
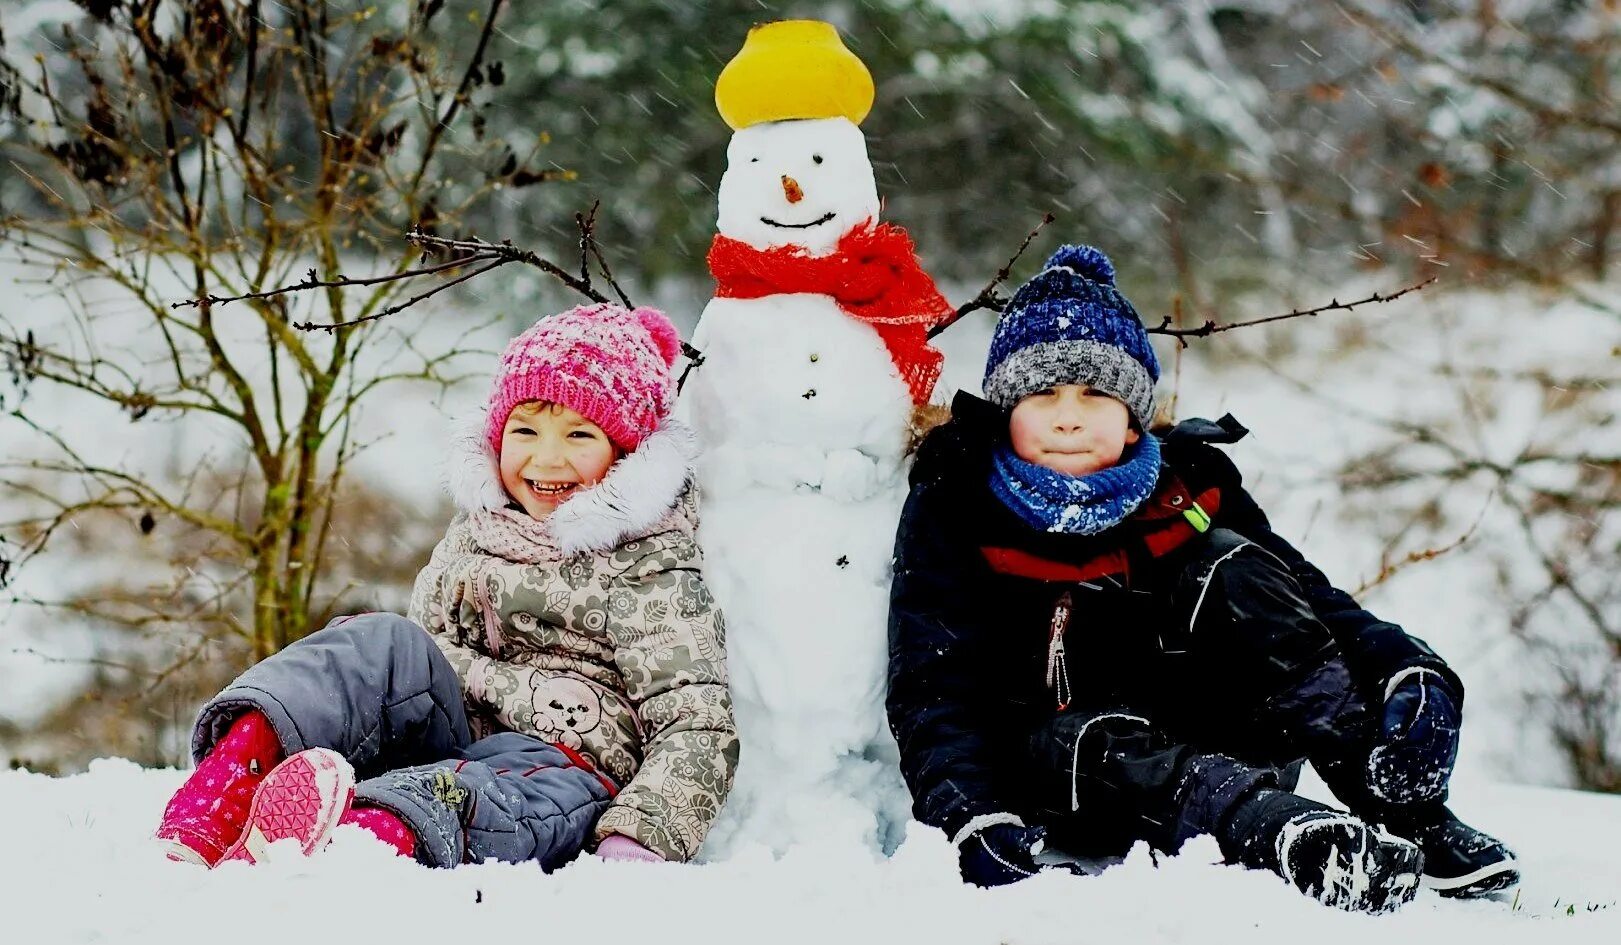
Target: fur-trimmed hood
(631,501)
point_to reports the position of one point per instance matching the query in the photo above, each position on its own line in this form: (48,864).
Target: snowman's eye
(754,160)
(817,158)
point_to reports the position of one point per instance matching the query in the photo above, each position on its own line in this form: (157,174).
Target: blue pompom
(1089,261)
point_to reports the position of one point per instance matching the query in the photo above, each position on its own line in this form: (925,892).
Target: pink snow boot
(206,815)
(303,799)
(386,826)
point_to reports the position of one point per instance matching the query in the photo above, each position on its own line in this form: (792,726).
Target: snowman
(815,358)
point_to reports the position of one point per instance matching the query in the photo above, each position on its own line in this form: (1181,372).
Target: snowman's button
(809,394)
(815,357)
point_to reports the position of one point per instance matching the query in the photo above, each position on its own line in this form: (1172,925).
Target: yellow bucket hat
(793,69)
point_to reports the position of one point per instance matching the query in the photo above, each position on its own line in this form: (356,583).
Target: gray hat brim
(1099,366)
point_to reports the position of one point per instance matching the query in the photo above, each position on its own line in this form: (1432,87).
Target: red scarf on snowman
(873,274)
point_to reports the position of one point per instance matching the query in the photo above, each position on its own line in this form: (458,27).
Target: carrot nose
(792,190)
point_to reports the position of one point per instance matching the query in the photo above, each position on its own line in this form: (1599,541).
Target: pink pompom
(663,331)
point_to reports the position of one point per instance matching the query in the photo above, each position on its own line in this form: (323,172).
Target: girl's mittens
(206,816)
(617,846)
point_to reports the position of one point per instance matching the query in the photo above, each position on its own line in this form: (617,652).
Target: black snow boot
(1459,861)
(1329,855)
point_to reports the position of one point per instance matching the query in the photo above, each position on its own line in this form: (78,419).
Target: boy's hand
(1418,745)
(1002,854)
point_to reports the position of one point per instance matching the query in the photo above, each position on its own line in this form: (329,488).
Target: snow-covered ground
(75,869)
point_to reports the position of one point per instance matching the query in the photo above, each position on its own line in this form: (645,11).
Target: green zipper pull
(1197,517)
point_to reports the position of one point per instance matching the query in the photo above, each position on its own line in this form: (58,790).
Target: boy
(1094,632)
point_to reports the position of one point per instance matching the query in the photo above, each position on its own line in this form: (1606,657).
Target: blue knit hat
(1070,325)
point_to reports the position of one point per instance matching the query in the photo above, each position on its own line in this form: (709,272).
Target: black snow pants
(1254,684)
(377,690)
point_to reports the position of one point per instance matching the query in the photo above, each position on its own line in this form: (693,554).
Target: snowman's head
(803,183)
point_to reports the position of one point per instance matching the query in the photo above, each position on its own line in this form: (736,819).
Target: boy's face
(1071,429)
(550,453)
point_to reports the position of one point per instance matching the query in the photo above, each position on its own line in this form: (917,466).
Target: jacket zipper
(1057,662)
(486,608)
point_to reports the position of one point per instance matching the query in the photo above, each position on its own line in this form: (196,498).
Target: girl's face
(1071,429)
(549,453)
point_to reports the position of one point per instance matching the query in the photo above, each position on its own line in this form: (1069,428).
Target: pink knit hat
(609,364)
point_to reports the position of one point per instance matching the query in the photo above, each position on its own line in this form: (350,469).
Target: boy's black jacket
(969,641)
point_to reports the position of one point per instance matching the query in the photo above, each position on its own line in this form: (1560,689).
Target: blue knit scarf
(1077,505)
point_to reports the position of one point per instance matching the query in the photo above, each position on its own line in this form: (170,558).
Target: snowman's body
(804,422)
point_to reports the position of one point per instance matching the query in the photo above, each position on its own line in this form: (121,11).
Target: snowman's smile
(799,226)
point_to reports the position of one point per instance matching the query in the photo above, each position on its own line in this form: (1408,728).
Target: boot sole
(178,852)
(1362,870)
(303,799)
(1504,874)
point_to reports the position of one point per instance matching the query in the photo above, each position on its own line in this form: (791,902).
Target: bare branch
(507,252)
(1210,327)
(1389,569)
(395,309)
(588,242)
(313,281)
(460,97)
(1559,574)
(988,297)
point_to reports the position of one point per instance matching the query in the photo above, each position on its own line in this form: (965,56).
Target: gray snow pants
(376,689)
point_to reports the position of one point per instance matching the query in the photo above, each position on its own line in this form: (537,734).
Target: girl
(560,682)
